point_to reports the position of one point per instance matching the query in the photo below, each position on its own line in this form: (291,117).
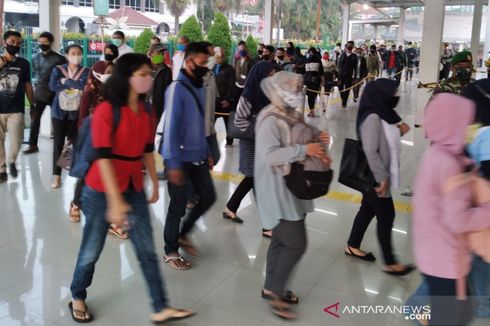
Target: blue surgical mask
(117,42)
(180,47)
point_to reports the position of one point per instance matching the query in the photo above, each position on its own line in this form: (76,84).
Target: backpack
(84,153)
(308,179)
(69,99)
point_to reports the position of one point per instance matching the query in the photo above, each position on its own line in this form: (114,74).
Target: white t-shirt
(177,64)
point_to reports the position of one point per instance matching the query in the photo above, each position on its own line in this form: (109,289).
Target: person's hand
(211,163)
(315,150)
(382,189)
(3,61)
(225,104)
(324,137)
(176,177)
(117,213)
(404,128)
(154,195)
(62,81)
(32,112)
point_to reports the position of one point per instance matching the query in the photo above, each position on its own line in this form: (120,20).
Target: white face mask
(293,100)
(101,77)
(75,59)
(211,62)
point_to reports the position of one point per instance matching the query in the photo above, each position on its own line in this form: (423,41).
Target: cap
(463,56)
(157,47)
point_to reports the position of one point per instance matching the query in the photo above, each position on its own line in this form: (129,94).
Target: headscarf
(284,90)
(114,49)
(479,92)
(378,98)
(252,91)
(93,84)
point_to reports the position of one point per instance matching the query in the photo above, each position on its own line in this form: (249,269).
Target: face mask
(280,57)
(109,57)
(243,53)
(12,49)
(117,42)
(292,100)
(75,59)
(463,74)
(260,52)
(157,59)
(350,48)
(199,72)
(141,85)
(373,51)
(180,47)
(101,77)
(211,62)
(394,101)
(45,47)
(266,57)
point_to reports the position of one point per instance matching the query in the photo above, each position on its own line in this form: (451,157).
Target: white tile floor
(38,248)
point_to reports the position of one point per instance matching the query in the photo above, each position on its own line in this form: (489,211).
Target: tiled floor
(38,248)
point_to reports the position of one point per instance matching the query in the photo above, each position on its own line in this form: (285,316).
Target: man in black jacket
(347,67)
(42,65)
(162,76)
(360,73)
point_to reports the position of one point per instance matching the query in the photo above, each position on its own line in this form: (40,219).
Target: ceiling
(410,3)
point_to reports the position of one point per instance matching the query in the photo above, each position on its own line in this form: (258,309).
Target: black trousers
(312,95)
(229,141)
(62,129)
(344,83)
(384,211)
(241,191)
(36,122)
(446,309)
(288,244)
(77,197)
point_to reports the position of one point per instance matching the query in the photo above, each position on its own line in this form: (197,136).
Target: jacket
(163,78)
(386,59)
(347,65)
(55,85)
(184,138)
(439,221)
(373,63)
(242,70)
(42,65)
(225,81)
(361,69)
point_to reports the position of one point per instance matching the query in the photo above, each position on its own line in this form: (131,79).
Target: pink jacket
(441,221)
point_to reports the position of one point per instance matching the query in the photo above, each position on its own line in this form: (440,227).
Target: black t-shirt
(313,71)
(13,77)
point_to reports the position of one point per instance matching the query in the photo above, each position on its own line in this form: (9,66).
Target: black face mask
(260,52)
(199,72)
(373,51)
(109,57)
(463,74)
(394,101)
(45,47)
(266,57)
(350,48)
(280,57)
(12,49)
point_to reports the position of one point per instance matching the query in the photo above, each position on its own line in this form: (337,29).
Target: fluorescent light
(325,212)
(400,231)
(371,291)
(395,298)
(365,6)
(407,142)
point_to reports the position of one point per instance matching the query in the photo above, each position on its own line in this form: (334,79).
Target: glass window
(135,4)
(85,3)
(68,2)
(152,5)
(114,4)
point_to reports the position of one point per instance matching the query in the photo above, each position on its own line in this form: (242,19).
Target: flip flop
(115,231)
(169,259)
(173,318)
(188,247)
(79,320)
(288,297)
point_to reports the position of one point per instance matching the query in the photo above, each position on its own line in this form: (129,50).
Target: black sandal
(235,219)
(288,297)
(368,257)
(85,313)
(408,269)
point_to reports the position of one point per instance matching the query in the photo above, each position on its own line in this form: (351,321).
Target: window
(152,5)
(135,4)
(68,2)
(85,3)
(114,4)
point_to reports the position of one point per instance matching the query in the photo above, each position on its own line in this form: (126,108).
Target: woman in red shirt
(114,185)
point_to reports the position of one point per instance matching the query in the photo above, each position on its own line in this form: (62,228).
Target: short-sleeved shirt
(133,137)
(479,149)
(13,77)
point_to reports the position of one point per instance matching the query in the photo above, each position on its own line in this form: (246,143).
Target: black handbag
(354,169)
(308,185)
(234,132)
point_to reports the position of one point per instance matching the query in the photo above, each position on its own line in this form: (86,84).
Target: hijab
(378,98)
(252,91)
(479,92)
(284,90)
(93,84)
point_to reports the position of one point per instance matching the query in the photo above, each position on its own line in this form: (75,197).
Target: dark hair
(350,42)
(338,44)
(7,34)
(47,35)
(410,43)
(116,89)
(206,44)
(372,47)
(290,43)
(262,45)
(270,48)
(242,42)
(184,38)
(281,49)
(69,47)
(154,37)
(312,50)
(114,49)
(119,33)
(290,52)
(196,48)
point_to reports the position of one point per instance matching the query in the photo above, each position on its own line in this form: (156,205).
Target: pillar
(401,26)
(345,22)
(49,19)
(487,35)
(375,26)
(268,21)
(475,31)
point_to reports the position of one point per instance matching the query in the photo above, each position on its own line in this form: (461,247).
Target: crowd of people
(178,100)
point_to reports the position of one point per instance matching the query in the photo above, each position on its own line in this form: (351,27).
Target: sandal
(288,297)
(170,261)
(188,247)
(74,213)
(56,183)
(282,309)
(367,257)
(118,232)
(170,314)
(265,234)
(88,316)
(234,219)
(407,270)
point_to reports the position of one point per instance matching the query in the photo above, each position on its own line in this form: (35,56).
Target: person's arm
(29,93)
(79,83)
(371,131)
(149,162)
(173,127)
(230,91)
(55,84)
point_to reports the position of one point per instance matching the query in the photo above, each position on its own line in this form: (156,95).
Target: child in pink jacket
(440,220)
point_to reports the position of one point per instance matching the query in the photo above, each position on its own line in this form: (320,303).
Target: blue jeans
(391,72)
(480,286)
(94,235)
(202,184)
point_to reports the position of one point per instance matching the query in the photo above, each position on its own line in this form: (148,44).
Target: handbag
(233,131)
(69,99)
(308,185)
(66,158)
(354,169)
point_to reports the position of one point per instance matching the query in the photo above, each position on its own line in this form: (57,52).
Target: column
(487,35)
(345,22)
(401,26)
(475,31)
(268,21)
(49,19)
(375,26)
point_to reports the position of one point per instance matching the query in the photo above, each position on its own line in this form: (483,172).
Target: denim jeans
(202,184)
(391,72)
(94,235)
(480,286)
